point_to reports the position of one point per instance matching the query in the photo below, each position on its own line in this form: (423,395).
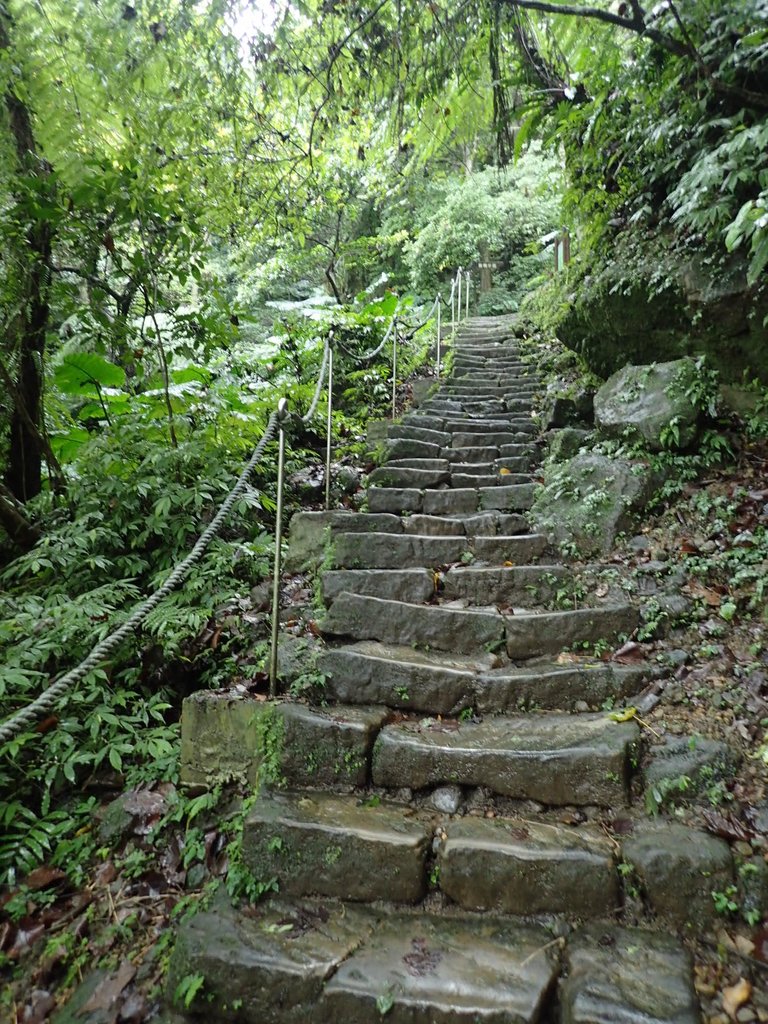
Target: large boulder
(585,502)
(651,404)
(645,303)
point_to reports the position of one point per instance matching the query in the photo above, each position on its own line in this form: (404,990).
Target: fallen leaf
(43,877)
(625,715)
(109,990)
(628,652)
(726,826)
(734,996)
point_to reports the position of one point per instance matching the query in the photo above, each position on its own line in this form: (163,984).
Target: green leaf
(84,373)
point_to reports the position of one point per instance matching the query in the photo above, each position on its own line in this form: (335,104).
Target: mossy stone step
(553,758)
(528,867)
(225,735)
(463,630)
(412,585)
(310,532)
(627,975)
(548,685)
(396,476)
(370,672)
(452,502)
(445,970)
(523,585)
(535,634)
(325,845)
(406,550)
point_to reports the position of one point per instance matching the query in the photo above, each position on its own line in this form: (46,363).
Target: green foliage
(490,214)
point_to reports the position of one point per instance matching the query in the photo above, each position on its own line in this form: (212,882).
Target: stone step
(470,436)
(553,686)
(492,477)
(533,635)
(371,673)
(436,465)
(223,737)
(401,677)
(515,866)
(412,585)
(288,962)
(445,970)
(417,418)
(408,448)
(309,533)
(407,431)
(520,585)
(553,758)
(396,476)
(451,502)
(474,454)
(462,630)
(627,975)
(402,551)
(327,845)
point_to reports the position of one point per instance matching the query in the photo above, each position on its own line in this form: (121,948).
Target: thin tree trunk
(24,477)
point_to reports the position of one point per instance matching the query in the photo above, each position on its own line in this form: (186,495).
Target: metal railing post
(453,307)
(328,429)
(468,280)
(438,333)
(282,413)
(394,370)
(458,278)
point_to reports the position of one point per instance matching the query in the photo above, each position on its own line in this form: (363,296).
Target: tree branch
(636,24)
(23,533)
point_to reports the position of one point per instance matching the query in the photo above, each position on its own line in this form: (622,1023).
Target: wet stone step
(407,431)
(267,965)
(309,532)
(398,551)
(441,970)
(413,585)
(627,975)
(337,846)
(524,867)
(401,677)
(550,686)
(415,462)
(222,736)
(542,633)
(407,448)
(395,476)
(553,758)
(463,630)
(504,585)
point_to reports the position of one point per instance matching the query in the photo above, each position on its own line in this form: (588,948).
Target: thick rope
(16,723)
(321,381)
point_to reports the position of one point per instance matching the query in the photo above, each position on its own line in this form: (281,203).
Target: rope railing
(276,422)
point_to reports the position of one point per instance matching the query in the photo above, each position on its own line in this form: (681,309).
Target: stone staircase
(443,837)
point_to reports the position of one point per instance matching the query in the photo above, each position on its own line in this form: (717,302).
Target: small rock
(745,1015)
(639,544)
(346,479)
(261,596)
(581,705)
(446,799)
(404,795)
(677,657)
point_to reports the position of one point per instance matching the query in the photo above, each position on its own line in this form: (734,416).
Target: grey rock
(627,975)
(701,760)
(446,799)
(645,400)
(678,869)
(590,499)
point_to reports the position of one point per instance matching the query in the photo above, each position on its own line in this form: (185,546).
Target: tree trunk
(24,476)
(21,532)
